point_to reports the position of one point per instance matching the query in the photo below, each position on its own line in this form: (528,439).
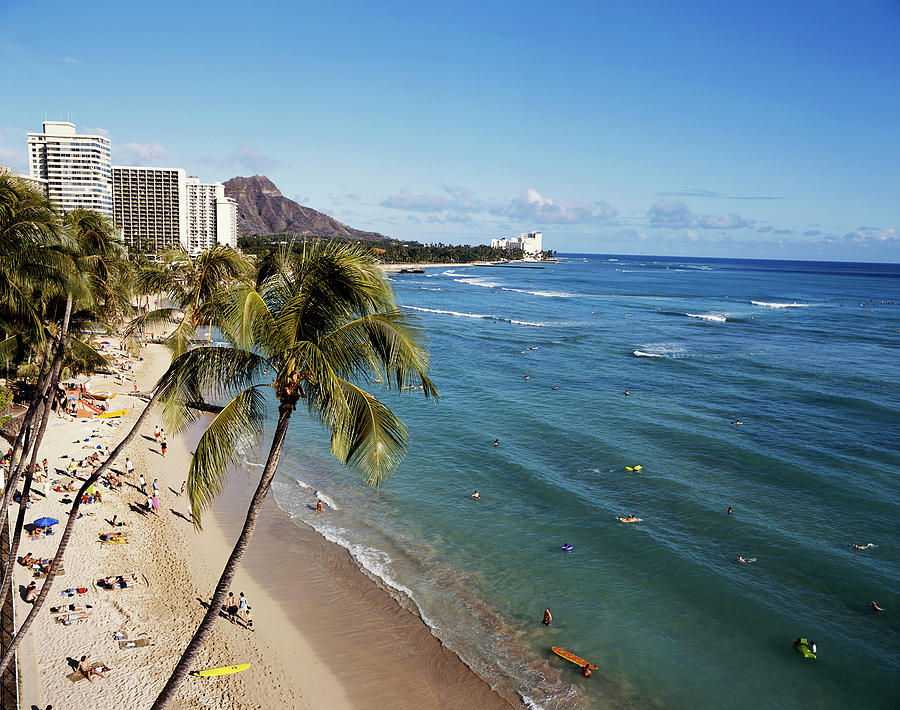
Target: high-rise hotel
(76,167)
(155,208)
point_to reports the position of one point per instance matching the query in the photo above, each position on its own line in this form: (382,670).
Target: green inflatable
(806,647)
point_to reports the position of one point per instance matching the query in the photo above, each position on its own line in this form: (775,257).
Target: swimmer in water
(863,547)
(556,387)
(627,393)
(547,617)
(475,495)
(586,670)
(496,442)
(729,510)
(527,377)
(736,422)
(875,607)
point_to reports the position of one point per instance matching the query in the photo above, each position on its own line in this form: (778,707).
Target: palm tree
(320,320)
(192,286)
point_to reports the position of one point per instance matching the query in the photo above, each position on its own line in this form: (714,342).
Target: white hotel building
(530,243)
(211,217)
(150,207)
(76,168)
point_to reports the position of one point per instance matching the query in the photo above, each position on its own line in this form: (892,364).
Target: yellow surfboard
(224,670)
(569,656)
(111,415)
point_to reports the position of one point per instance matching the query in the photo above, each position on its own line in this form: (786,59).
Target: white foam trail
(475,281)
(327,500)
(641,353)
(545,294)
(767,304)
(484,316)
(254,465)
(529,703)
(707,316)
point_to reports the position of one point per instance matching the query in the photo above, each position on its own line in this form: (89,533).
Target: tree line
(317,326)
(396,252)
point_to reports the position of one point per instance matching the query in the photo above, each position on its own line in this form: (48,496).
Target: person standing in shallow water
(548,617)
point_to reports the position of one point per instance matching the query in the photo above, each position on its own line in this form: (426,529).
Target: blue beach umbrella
(45,522)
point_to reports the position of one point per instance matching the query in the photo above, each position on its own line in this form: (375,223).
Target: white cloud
(70,60)
(95,131)
(670,215)
(868,235)
(534,208)
(243,157)
(724,221)
(139,153)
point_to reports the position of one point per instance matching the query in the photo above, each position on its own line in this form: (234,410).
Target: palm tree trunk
(23,437)
(196,644)
(64,541)
(26,486)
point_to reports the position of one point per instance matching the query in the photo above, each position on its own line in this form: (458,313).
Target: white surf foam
(707,316)
(545,294)
(484,316)
(321,496)
(641,353)
(477,281)
(768,304)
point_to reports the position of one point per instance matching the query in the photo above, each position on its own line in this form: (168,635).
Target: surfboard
(630,520)
(111,415)
(577,660)
(224,670)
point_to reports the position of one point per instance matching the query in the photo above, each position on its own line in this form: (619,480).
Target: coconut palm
(320,321)
(193,287)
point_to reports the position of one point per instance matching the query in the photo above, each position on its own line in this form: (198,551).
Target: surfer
(475,495)
(548,617)
(586,670)
(875,607)
(863,547)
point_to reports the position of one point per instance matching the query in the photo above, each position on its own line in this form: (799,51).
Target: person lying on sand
(31,592)
(87,671)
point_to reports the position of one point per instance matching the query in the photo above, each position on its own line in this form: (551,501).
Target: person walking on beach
(181,492)
(129,466)
(155,503)
(243,607)
(155,486)
(231,607)
(162,443)
(156,432)
(548,617)
(143,484)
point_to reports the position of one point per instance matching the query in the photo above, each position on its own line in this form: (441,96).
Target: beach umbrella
(45,522)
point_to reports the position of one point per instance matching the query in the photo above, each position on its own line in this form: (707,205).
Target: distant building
(75,168)
(149,207)
(530,243)
(211,217)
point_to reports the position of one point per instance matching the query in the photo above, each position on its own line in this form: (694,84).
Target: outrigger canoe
(577,660)
(112,415)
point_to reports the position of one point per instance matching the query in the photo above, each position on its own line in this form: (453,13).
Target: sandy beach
(324,635)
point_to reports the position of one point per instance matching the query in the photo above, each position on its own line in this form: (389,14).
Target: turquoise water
(805,354)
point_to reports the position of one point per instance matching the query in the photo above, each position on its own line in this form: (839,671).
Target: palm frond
(372,440)
(234,431)
(153,319)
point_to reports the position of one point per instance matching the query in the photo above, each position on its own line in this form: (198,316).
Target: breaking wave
(484,316)
(707,316)
(768,304)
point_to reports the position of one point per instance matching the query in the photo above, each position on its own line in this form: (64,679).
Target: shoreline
(325,634)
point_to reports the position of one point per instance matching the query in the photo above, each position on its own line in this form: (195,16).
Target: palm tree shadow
(179,515)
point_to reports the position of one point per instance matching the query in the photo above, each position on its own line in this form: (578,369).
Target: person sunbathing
(87,670)
(29,560)
(31,592)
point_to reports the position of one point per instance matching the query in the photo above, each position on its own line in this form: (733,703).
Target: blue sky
(765,129)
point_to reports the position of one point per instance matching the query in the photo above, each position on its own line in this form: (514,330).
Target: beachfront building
(74,169)
(529,243)
(149,207)
(211,217)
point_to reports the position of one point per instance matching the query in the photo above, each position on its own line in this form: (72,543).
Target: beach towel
(137,643)
(78,675)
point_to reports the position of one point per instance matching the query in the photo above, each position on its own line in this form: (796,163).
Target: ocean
(804,354)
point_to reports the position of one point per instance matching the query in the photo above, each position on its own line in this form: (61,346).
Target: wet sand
(383,655)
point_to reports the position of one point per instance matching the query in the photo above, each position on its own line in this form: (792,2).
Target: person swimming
(556,387)
(586,670)
(496,442)
(475,495)
(627,393)
(548,617)
(875,607)
(736,422)
(863,547)
(566,546)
